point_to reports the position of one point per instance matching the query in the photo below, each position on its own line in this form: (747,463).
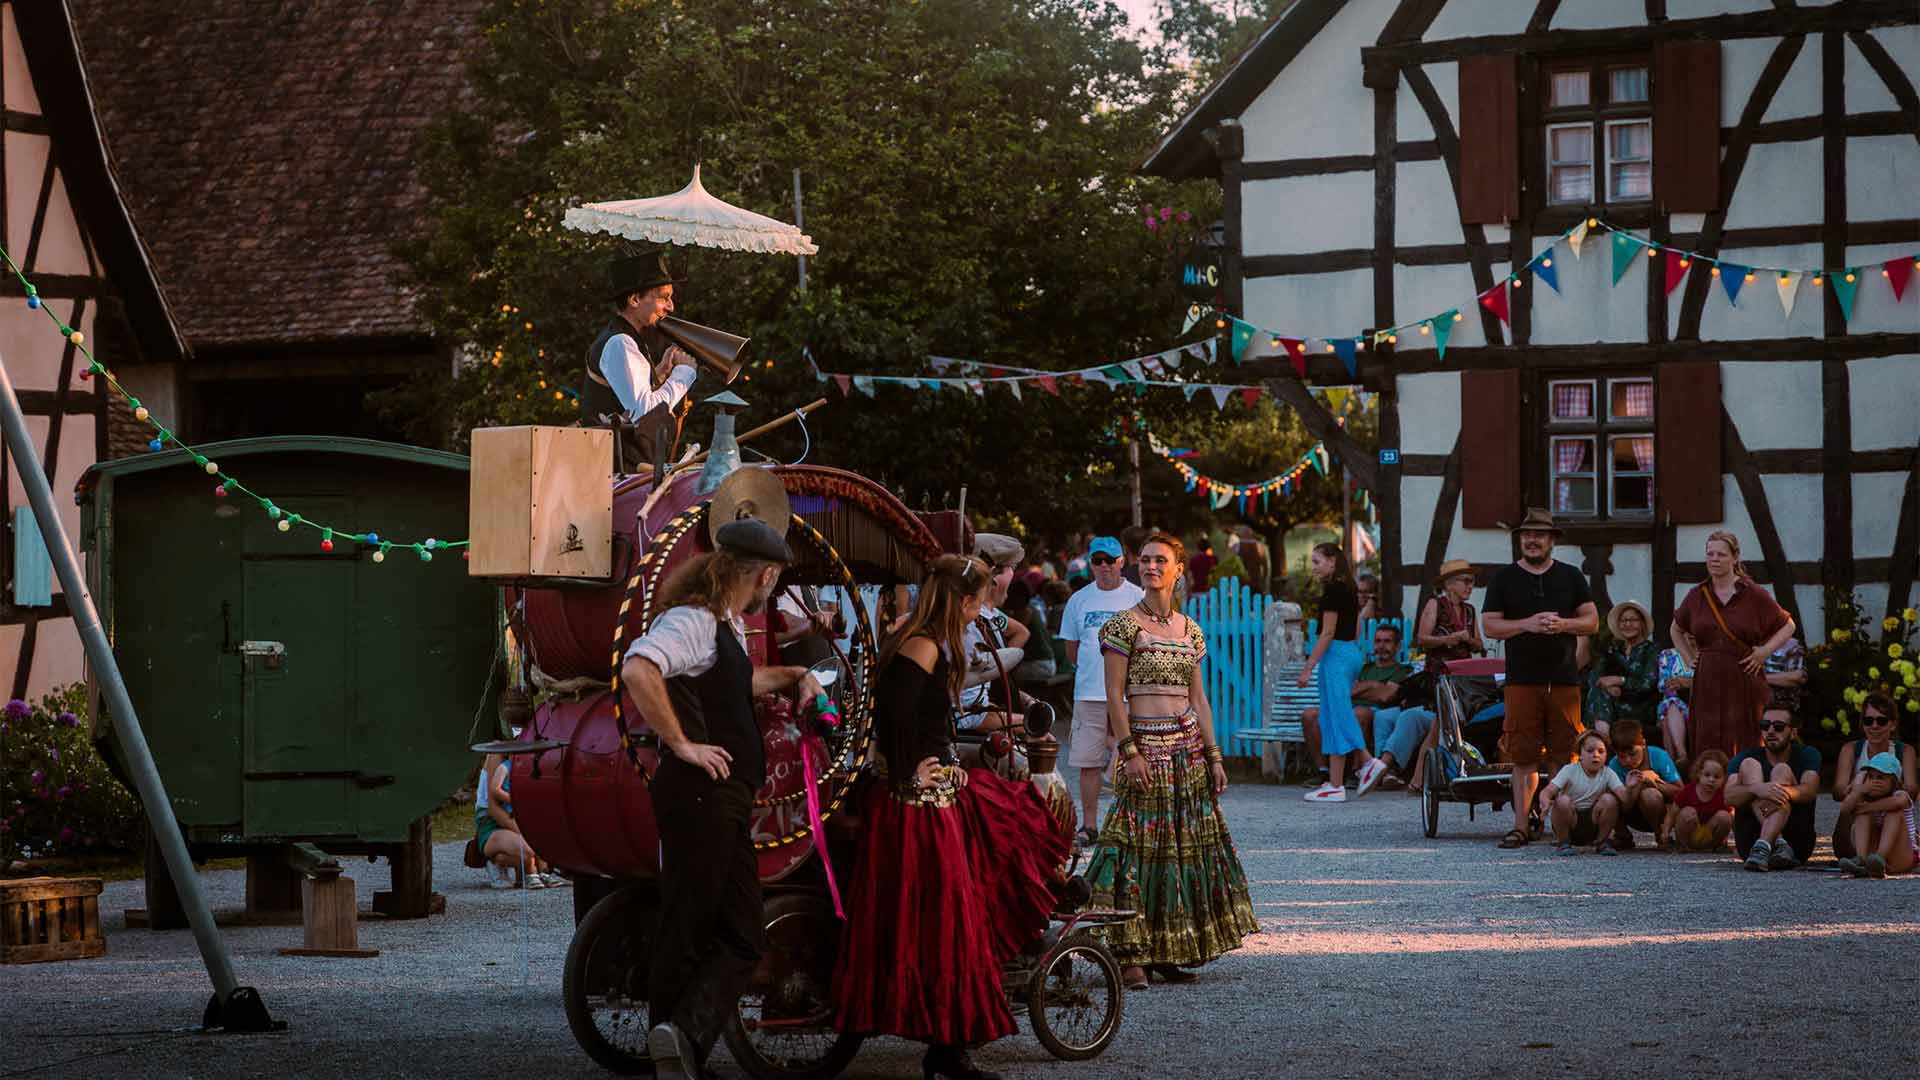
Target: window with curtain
(1598,444)
(1598,119)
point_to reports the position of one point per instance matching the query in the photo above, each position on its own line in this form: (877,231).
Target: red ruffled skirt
(948,888)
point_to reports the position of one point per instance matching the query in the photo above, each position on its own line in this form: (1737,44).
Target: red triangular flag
(1898,272)
(996,372)
(1078,379)
(1297,349)
(1250,395)
(1047,383)
(1495,300)
(846,384)
(1676,273)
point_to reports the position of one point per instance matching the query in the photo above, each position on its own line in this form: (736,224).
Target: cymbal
(516,746)
(749,491)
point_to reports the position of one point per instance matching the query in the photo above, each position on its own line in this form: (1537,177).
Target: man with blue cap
(1090,746)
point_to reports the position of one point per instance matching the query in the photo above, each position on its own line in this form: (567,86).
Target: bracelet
(1128,748)
(1215,755)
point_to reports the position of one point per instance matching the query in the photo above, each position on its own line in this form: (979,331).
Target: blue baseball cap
(1105,545)
(1883,762)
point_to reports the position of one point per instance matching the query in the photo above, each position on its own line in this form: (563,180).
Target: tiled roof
(267,152)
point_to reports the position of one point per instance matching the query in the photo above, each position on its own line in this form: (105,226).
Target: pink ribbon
(819,826)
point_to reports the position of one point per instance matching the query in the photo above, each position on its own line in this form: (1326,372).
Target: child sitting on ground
(1651,780)
(1584,798)
(1883,820)
(1700,819)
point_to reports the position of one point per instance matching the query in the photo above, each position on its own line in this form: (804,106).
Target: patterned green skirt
(1164,851)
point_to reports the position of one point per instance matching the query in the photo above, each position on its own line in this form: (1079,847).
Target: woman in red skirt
(1726,628)
(955,869)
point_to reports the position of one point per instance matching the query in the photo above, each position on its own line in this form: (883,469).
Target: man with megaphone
(635,374)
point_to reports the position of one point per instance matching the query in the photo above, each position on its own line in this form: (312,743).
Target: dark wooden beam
(1891,74)
(1802,572)
(26,123)
(1803,128)
(1836,408)
(1602,355)
(1542,18)
(1386,139)
(1440,532)
(1323,262)
(1906,538)
(1664,538)
(56,286)
(47,402)
(1801,462)
(14,615)
(1286,168)
(1476,236)
(1424,464)
(1410,20)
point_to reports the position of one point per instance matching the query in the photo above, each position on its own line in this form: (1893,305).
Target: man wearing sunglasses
(1772,789)
(1085,615)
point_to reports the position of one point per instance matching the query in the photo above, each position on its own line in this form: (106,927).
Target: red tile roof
(267,153)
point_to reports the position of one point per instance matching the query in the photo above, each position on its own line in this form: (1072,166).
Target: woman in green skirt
(1164,850)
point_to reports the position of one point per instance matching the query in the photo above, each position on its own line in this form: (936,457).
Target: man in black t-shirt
(1540,608)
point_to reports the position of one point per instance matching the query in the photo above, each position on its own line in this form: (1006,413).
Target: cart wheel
(783,1029)
(1074,1000)
(605,982)
(1430,793)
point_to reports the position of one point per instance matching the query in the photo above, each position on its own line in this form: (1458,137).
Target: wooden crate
(50,919)
(542,503)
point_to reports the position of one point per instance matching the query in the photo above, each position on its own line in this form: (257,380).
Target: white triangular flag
(1193,316)
(1221,497)
(864,384)
(1190,389)
(1014,385)
(1220,395)
(1787,283)
(1171,358)
(1133,368)
(1577,237)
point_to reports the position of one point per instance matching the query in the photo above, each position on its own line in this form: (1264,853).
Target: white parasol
(691,216)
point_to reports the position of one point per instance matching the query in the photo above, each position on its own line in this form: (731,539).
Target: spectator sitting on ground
(1883,821)
(1772,788)
(1625,678)
(498,834)
(1368,588)
(1584,798)
(1698,819)
(1877,716)
(1374,694)
(1651,781)
(1676,682)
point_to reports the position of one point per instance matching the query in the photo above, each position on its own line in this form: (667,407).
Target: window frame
(1602,428)
(1602,113)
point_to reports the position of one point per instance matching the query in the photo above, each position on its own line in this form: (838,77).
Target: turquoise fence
(1233,617)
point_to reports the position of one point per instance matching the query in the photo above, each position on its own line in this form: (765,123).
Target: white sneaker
(1370,774)
(534,881)
(499,877)
(672,1054)
(1326,793)
(555,881)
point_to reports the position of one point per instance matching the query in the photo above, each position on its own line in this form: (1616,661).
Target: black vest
(717,707)
(596,397)
(658,428)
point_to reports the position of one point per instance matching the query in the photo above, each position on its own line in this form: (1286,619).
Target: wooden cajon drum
(541,503)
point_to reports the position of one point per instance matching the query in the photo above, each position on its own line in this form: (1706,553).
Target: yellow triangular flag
(1577,237)
(1337,397)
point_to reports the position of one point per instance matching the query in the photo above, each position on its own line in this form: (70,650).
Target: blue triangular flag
(1346,347)
(1242,336)
(1543,269)
(1731,278)
(1844,285)
(933,384)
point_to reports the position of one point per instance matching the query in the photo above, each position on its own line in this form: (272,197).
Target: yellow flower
(1827,722)
(1910,615)
(1913,704)
(1845,728)
(1873,673)
(1842,635)
(1894,650)
(1890,623)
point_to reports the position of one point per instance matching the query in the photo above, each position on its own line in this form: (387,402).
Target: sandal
(1086,838)
(1170,974)
(1514,839)
(1391,782)
(1564,848)
(1133,977)
(1605,847)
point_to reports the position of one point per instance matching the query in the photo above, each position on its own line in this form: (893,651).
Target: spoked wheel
(1430,792)
(784,1027)
(605,983)
(1075,1001)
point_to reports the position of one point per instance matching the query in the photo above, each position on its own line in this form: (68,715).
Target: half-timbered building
(1384,161)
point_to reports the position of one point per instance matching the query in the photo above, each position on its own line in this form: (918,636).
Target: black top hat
(637,273)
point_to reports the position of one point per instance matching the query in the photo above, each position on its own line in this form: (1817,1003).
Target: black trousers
(712,928)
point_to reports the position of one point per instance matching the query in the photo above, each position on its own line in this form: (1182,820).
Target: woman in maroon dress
(1726,628)
(955,866)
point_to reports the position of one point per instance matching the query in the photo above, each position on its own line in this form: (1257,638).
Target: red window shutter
(1489,449)
(1489,139)
(1687,452)
(1686,126)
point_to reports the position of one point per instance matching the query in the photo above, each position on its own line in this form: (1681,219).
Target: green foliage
(57,796)
(1860,657)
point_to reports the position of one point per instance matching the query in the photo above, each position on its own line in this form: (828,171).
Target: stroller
(1467,720)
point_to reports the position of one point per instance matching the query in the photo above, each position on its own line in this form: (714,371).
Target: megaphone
(715,349)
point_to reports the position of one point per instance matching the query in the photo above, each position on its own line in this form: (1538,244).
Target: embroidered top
(1155,665)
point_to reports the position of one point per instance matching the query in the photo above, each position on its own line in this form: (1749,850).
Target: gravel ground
(1380,950)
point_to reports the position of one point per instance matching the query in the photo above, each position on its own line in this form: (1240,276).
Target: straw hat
(1452,568)
(1613,617)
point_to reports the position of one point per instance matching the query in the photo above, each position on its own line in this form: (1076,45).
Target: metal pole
(1346,513)
(800,222)
(1133,481)
(133,742)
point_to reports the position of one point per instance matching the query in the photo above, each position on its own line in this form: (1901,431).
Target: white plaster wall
(1422,291)
(1774,405)
(1478,18)
(1690,541)
(1759,314)
(1865,91)
(1780,186)
(1885,397)
(1795,500)
(1799,93)
(1429,411)
(1876,512)
(1589,307)
(1317,106)
(1418,494)
(1883,176)
(1873,600)
(1479,545)
(1311,305)
(1632,577)
(1304,214)
(58,658)
(1425,209)
(1813,618)
(1411,123)
(1592,14)
(1741,62)
(18,88)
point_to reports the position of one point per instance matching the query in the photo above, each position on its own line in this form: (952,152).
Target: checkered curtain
(1570,456)
(1643,453)
(1639,399)
(1573,401)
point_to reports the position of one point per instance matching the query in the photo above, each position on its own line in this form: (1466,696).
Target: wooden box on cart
(45,918)
(541,503)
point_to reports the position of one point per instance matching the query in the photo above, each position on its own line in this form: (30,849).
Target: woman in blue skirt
(1336,659)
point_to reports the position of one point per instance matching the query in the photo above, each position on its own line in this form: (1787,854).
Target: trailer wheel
(1075,1002)
(783,1029)
(605,982)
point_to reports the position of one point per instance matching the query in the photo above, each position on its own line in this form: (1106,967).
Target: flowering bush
(1859,657)
(57,796)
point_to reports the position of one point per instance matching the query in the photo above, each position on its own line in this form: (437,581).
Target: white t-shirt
(1584,790)
(1081,621)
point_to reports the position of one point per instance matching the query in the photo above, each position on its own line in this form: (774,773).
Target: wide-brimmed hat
(1537,518)
(1613,617)
(638,272)
(1452,568)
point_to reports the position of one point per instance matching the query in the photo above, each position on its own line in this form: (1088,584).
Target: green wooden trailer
(293,695)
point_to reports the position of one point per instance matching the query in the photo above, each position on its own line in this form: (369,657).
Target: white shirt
(681,641)
(1081,621)
(630,376)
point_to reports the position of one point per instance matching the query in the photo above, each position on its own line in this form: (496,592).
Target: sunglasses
(1872,720)
(1776,726)
(1102,560)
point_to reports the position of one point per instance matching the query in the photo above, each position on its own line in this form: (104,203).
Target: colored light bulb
(77,337)
(379,556)
(154,444)
(219,491)
(326,545)
(141,413)
(284,525)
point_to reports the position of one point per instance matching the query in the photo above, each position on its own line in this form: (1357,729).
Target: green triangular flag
(1443,329)
(1242,337)
(1624,249)
(1843,289)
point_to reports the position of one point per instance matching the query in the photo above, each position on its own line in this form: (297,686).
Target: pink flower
(1152,225)
(1166,212)
(1184,216)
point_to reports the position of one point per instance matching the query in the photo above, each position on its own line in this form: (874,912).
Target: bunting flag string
(1219,493)
(974,376)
